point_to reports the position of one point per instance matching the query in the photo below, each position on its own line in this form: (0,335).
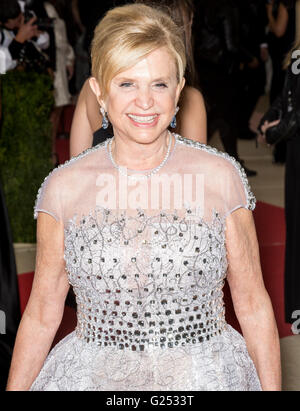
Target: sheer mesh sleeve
(49,197)
(237,191)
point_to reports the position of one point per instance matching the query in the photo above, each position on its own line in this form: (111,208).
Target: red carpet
(270,227)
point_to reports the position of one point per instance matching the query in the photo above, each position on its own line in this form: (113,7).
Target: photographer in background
(21,39)
(281,37)
(65,60)
(282,123)
(252,74)
(218,56)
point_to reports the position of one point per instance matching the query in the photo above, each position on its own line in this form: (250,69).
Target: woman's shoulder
(78,164)
(213,161)
(193,92)
(64,179)
(193,96)
(221,171)
(211,154)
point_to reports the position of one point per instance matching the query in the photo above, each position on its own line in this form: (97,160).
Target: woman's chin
(141,132)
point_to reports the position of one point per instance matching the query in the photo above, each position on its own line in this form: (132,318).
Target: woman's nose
(144,98)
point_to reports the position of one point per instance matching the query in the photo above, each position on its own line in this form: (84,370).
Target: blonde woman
(65,58)
(145,227)
(191,121)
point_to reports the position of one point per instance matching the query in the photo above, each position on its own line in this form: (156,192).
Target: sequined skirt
(220,364)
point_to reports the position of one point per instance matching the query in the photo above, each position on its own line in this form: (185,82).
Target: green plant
(25,146)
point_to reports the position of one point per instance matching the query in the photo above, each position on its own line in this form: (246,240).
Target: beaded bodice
(158,286)
(146,278)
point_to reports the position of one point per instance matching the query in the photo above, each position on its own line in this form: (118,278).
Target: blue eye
(161,85)
(126,85)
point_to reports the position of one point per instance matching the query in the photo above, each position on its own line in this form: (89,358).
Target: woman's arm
(251,301)
(193,119)
(87,119)
(278,26)
(45,307)
(274,113)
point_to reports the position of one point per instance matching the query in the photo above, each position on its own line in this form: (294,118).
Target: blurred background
(239,48)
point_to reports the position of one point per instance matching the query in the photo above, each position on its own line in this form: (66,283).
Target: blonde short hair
(128,34)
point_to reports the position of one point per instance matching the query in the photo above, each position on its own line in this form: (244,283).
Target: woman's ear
(182,84)
(179,89)
(96,89)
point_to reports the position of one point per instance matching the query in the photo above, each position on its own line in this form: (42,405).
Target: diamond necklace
(139,176)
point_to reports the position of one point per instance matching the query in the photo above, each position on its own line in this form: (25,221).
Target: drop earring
(174,122)
(105,122)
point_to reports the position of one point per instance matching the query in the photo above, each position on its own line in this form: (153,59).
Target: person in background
(281,37)
(286,105)
(87,13)
(218,56)
(64,10)
(65,60)
(10,313)
(252,74)
(191,120)
(20,39)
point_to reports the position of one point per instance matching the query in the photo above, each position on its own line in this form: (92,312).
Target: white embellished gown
(147,261)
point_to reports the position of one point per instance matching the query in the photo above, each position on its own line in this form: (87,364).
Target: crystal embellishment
(131,305)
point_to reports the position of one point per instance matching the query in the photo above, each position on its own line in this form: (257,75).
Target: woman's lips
(144,120)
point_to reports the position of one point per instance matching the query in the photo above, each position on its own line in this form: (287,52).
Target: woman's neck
(140,156)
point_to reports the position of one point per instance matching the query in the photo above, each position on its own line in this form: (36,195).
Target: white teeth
(145,120)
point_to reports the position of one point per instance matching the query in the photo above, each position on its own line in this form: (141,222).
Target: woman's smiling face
(142,100)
